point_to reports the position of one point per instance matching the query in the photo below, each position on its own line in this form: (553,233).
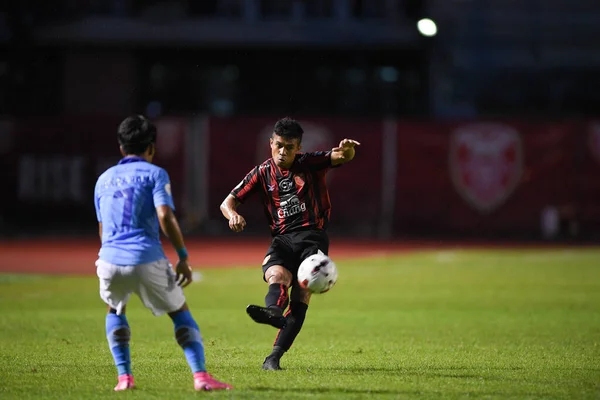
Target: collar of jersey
(127,160)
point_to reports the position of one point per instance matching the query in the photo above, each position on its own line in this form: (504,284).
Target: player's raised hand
(183,273)
(346,144)
(344,152)
(237,223)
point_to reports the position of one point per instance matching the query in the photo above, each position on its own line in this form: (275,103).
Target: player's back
(126,197)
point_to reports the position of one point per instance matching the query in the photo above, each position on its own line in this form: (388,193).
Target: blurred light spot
(427,27)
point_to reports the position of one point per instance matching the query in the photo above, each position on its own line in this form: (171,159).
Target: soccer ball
(317,273)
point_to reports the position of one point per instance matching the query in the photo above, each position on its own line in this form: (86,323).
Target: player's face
(284,150)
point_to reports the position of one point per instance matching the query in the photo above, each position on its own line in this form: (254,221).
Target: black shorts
(290,249)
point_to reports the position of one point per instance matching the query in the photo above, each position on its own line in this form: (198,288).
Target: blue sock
(188,336)
(118,335)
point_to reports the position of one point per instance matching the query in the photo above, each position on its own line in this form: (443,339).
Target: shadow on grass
(464,372)
(510,374)
(329,390)
(283,391)
(430,372)
(357,369)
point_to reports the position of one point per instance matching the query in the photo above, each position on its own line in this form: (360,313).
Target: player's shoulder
(156,169)
(158,175)
(106,175)
(107,179)
(265,166)
(145,169)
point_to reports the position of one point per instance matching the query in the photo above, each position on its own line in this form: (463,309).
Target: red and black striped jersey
(294,199)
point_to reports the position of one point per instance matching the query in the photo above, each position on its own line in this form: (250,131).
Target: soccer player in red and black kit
(296,203)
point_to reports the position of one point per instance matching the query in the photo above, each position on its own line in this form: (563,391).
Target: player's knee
(304,298)
(278,274)
(120,336)
(183,335)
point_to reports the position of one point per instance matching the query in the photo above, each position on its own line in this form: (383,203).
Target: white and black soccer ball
(317,273)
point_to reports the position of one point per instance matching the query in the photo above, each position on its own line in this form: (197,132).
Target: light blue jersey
(126,197)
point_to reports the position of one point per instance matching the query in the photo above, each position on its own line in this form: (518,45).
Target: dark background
(68,63)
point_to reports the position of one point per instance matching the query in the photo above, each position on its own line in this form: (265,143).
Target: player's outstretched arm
(170,227)
(344,152)
(237,223)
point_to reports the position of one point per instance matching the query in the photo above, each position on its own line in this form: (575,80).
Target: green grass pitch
(511,324)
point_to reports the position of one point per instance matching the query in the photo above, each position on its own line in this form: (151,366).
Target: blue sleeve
(161,192)
(97,203)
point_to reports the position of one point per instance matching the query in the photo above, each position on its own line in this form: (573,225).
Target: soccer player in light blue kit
(132,200)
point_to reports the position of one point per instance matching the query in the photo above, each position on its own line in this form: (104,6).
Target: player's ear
(122,151)
(151,149)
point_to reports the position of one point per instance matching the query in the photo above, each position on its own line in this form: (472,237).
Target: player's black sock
(277,296)
(295,319)
(277,352)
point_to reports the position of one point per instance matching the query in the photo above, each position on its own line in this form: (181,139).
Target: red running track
(77,256)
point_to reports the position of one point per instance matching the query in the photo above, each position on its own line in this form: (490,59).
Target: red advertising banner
(492,178)
(484,177)
(587,176)
(237,145)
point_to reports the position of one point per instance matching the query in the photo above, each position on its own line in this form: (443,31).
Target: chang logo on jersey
(290,206)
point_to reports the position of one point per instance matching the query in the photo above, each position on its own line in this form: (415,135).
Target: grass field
(506,324)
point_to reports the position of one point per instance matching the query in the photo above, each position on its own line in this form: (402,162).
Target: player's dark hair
(135,134)
(288,128)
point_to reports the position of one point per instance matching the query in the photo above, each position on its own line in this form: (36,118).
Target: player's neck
(140,157)
(283,170)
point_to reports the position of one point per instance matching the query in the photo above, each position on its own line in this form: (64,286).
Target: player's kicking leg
(276,300)
(286,336)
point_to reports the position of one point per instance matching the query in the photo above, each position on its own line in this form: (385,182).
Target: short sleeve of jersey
(97,202)
(316,161)
(161,192)
(247,186)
